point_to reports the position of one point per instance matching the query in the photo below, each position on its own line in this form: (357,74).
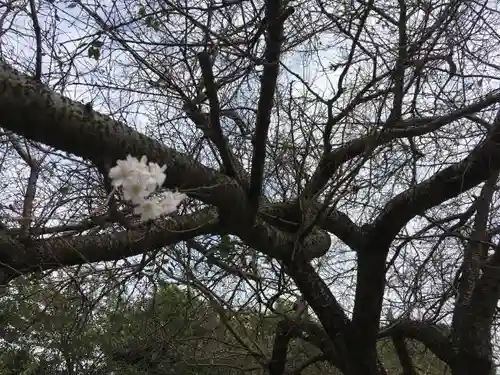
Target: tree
(168,332)
(346,153)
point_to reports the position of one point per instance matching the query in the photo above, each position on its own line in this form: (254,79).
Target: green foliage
(171,331)
(423,360)
(94,50)
(150,21)
(142,11)
(225,246)
(15,362)
(153,23)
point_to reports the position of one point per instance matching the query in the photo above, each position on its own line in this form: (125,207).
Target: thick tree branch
(428,334)
(330,162)
(68,251)
(369,297)
(286,330)
(452,181)
(274,38)
(32,110)
(481,163)
(403,355)
(475,254)
(472,330)
(282,337)
(477,167)
(287,217)
(215,129)
(331,314)
(319,297)
(398,75)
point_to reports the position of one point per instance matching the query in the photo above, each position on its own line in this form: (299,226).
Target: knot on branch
(317,244)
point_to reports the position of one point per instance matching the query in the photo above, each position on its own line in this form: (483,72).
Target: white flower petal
(172,201)
(157,173)
(149,209)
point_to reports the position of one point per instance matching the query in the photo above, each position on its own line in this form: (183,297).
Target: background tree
(170,332)
(347,153)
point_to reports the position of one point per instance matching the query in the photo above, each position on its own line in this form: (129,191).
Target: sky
(67,30)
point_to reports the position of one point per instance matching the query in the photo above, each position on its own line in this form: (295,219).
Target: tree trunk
(469,364)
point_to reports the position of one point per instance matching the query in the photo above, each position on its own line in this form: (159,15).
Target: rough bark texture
(34,111)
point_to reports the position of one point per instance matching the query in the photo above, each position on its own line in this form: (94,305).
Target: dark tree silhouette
(382,157)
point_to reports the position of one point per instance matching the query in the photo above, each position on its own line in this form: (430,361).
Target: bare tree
(347,150)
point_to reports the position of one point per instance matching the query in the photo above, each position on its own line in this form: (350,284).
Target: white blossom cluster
(138,180)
